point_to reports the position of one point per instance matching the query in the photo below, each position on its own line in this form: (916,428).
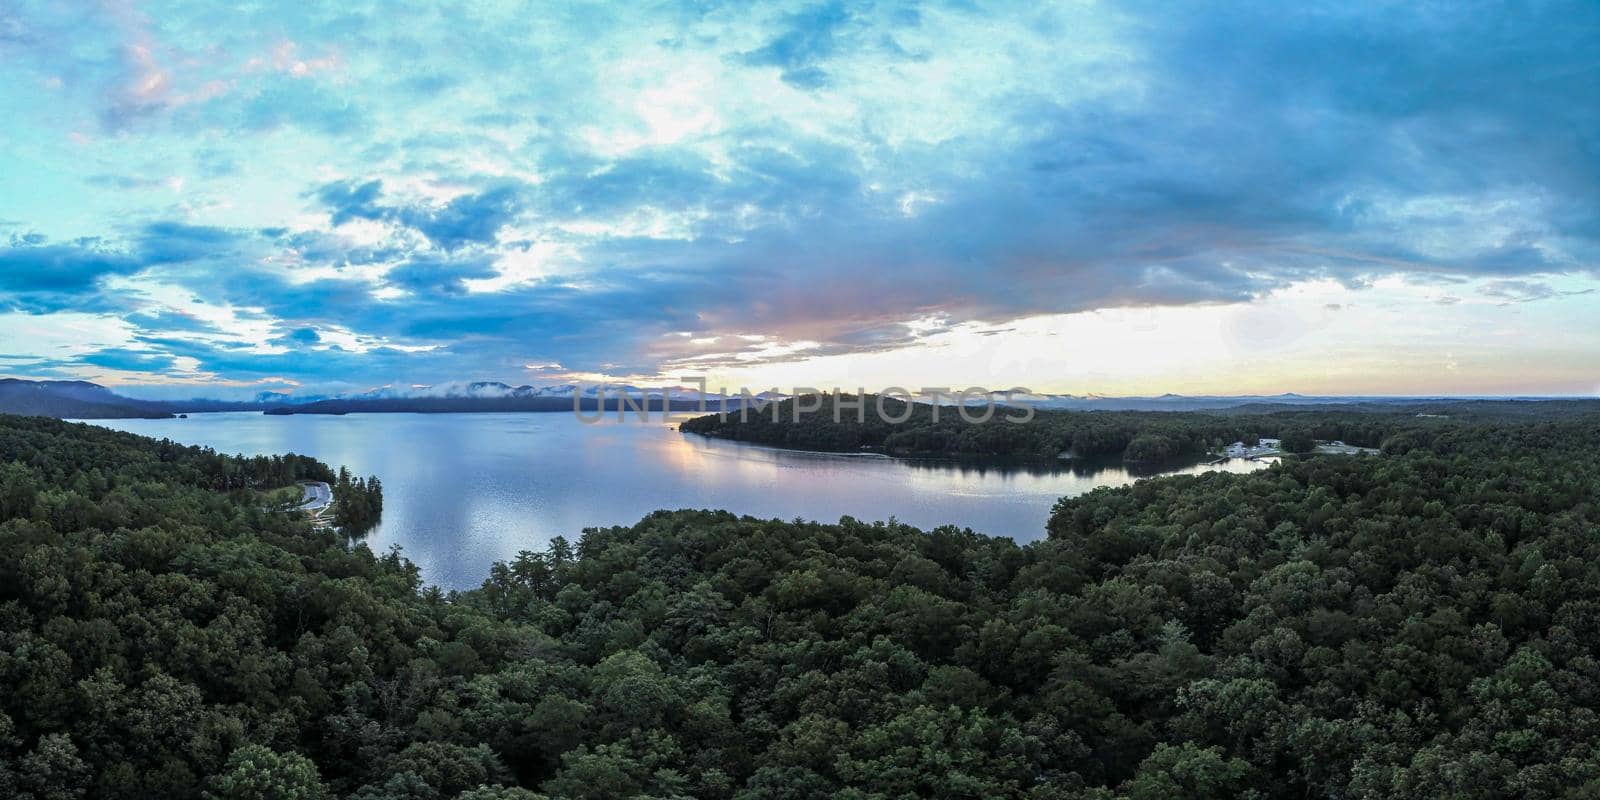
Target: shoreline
(1050,464)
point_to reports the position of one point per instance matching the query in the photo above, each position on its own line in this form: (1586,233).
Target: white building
(1264,446)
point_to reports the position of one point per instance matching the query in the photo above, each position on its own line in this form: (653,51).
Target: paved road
(317,496)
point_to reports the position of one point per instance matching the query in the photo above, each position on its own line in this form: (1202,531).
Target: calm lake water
(464,490)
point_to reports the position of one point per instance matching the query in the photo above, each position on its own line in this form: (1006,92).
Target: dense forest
(1151,437)
(1421,624)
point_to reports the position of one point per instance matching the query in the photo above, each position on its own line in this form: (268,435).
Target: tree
(254,772)
(53,770)
(499,793)
(1191,772)
(1298,440)
(1422,623)
(1149,448)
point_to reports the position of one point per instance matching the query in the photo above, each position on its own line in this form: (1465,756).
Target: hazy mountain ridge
(85,400)
(71,399)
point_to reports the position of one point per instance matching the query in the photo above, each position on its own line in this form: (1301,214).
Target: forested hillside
(71,399)
(1421,624)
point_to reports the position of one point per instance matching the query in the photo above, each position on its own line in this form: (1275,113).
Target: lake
(464,490)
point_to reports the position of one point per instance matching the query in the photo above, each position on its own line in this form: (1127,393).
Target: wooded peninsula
(887,425)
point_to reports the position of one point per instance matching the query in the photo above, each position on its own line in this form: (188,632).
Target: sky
(1080,197)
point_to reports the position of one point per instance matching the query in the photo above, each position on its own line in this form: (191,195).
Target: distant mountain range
(84,400)
(496,396)
(71,400)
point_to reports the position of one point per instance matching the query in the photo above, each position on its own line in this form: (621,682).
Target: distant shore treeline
(83,400)
(457,405)
(1135,436)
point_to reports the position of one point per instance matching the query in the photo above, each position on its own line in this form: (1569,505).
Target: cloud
(36,276)
(168,242)
(799,50)
(472,218)
(120,358)
(469,219)
(297,338)
(347,200)
(286,101)
(433,275)
(170,321)
(612,187)
(320,366)
(1524,291)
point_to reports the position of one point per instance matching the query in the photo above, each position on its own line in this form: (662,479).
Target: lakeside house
(1273,447)
(1263,447)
